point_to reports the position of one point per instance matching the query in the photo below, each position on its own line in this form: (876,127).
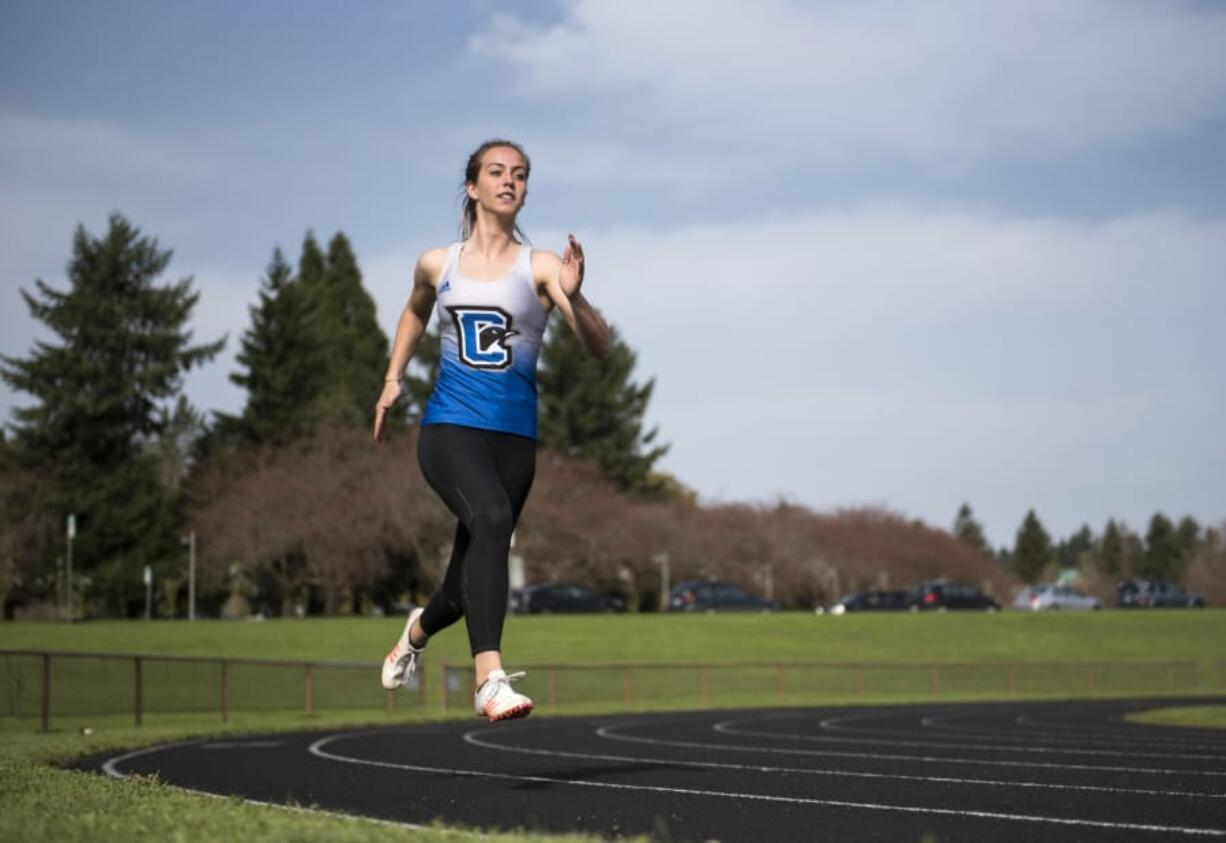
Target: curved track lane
(1002,771)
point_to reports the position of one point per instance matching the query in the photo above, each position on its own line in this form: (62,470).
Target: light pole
(148,592)
(661,559)
(190,541)
(72,534)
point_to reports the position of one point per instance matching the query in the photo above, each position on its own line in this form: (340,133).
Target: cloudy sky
(873,253)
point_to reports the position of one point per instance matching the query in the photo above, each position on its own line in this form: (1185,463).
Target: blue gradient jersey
(491,336)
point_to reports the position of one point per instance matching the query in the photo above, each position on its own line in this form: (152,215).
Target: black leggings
(483,476)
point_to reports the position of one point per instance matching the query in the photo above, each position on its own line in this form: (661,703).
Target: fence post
(136,700)
(1013,680)
(421,688)
(310,691)
(779,669)
(702,684)
(858,679)
(225,691)
(627,686)
(936,680)
(391,702)
(553,686)
(46,695)
(1090,679)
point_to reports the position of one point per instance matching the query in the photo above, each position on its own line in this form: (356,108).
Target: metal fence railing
(45,684)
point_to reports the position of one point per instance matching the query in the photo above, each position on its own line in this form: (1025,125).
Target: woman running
(477,446)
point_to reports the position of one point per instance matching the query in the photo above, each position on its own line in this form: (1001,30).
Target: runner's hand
(570,276)
(391,391)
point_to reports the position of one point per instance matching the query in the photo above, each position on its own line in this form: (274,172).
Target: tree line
(111,439)
(1169,550)
(295,511)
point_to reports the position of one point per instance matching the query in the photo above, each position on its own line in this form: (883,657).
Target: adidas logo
(446,286)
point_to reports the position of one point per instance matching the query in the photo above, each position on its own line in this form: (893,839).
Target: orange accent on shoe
(516,713)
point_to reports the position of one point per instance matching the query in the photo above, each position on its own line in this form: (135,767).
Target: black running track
(973,772)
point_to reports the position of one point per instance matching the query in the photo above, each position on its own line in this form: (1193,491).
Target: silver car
(1050,597)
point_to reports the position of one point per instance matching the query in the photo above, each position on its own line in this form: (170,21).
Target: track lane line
(949,725)
(317,749)
(473,739)
(728,728)
(111,768)
(606,732)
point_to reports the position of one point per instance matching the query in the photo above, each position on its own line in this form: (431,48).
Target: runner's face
(502,181)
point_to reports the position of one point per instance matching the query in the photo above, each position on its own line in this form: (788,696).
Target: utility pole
(190,541)
(661,559)
(148,592)
(72,534)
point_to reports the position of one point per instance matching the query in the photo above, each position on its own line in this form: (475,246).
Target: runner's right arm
(412,325)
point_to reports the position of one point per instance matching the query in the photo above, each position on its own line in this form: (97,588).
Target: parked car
(945,594)
(715,596)
(870,601)
(1051,597)
(1154,594)
(550,598)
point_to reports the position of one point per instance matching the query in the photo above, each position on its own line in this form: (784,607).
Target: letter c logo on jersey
(482,333)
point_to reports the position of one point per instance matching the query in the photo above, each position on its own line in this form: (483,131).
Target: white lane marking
(606,732)
(951,724)
(111,768)
(830,723)
(318,750)
(471,738)
(1206,735)
(241,744)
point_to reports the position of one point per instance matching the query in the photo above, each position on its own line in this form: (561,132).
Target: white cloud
(579,160)
(831,79)
(45,150)
(922,356)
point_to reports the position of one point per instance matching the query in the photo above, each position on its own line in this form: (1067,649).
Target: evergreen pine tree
(1163,556)
(341,325)
(1134,553)
(590,409)
(174,449)
(1112,553)
(311,263)
(1071,552)
(101,391)
(277,359)
(1188,535)
(970,531)
(1032,552)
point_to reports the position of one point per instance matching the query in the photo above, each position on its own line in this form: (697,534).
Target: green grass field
(1194,716)
(787,636)
(33,793)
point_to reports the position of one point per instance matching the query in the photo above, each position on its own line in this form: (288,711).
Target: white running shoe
(496,700)
(402,660)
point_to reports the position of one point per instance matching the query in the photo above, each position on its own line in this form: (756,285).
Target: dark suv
(1155,594)
(714,596)
(550,598)
(949,594)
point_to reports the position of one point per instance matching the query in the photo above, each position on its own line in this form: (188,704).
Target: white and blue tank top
(490,335)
